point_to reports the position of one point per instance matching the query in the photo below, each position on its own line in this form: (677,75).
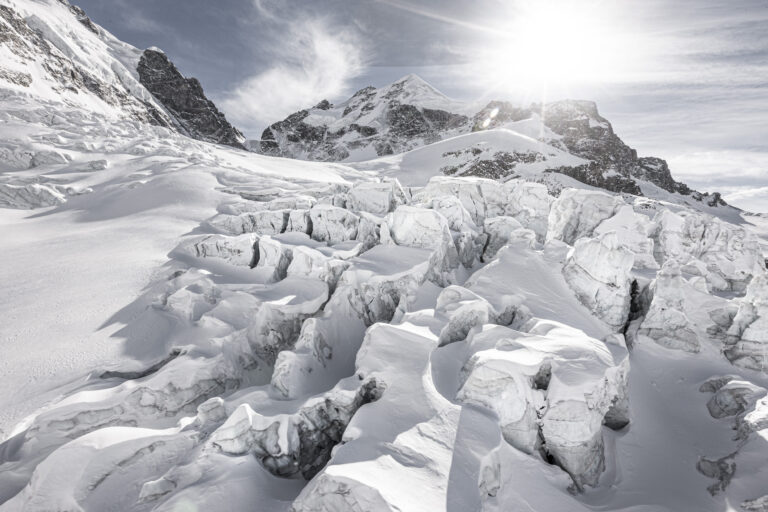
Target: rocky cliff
(185,100)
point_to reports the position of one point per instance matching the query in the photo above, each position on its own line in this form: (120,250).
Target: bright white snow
(190,326)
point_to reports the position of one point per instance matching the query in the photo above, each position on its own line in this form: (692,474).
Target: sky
(684,80)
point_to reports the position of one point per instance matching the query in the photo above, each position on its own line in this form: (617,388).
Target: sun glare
(556,45)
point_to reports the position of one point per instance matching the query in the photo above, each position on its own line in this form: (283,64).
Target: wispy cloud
(741,176)
(314,60)
(750,199)
(134,17)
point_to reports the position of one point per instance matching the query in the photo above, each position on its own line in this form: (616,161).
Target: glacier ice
(597,270)
(747,336)
(576,213)
(666,321)
(455,343)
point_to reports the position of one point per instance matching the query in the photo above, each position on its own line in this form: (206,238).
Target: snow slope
(192,326)
(137,188)
(415,167)
(197,310)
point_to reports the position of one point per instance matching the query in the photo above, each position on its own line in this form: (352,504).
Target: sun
(556,44)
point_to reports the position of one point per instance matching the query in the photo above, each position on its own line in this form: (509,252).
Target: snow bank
(552,390)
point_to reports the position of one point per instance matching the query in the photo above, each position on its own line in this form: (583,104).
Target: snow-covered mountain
(410,114)
(46,58)
(373,122)
(188,326)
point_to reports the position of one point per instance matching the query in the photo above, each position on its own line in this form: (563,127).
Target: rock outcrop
(185,100)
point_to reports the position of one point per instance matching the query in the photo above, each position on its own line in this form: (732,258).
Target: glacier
(189,325)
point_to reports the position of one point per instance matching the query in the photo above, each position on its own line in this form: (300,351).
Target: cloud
(133,17)
(313,59)
(741,176)
(751,199)
(722,167)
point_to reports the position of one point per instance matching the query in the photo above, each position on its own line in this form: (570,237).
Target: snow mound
(552,390)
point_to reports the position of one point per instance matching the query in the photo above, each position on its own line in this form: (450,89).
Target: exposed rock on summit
(410,113)
(374,122)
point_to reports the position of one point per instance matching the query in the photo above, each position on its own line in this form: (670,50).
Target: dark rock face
(302,135)
(585,133)
(409,121)
(323,105)
(388,120)
(183,97)
(593,174)
(713,199)
(499,112)
(500,164)
(614,165)
(656,171)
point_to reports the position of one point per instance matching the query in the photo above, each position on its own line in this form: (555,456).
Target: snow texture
(192,326)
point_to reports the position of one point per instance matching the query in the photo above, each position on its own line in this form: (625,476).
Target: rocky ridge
(393,119)
(410,113)
(47,57)
(185,100)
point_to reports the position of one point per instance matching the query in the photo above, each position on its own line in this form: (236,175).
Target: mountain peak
(413,89)
(183,97)
(410,113)
(412,78)
(375,121)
